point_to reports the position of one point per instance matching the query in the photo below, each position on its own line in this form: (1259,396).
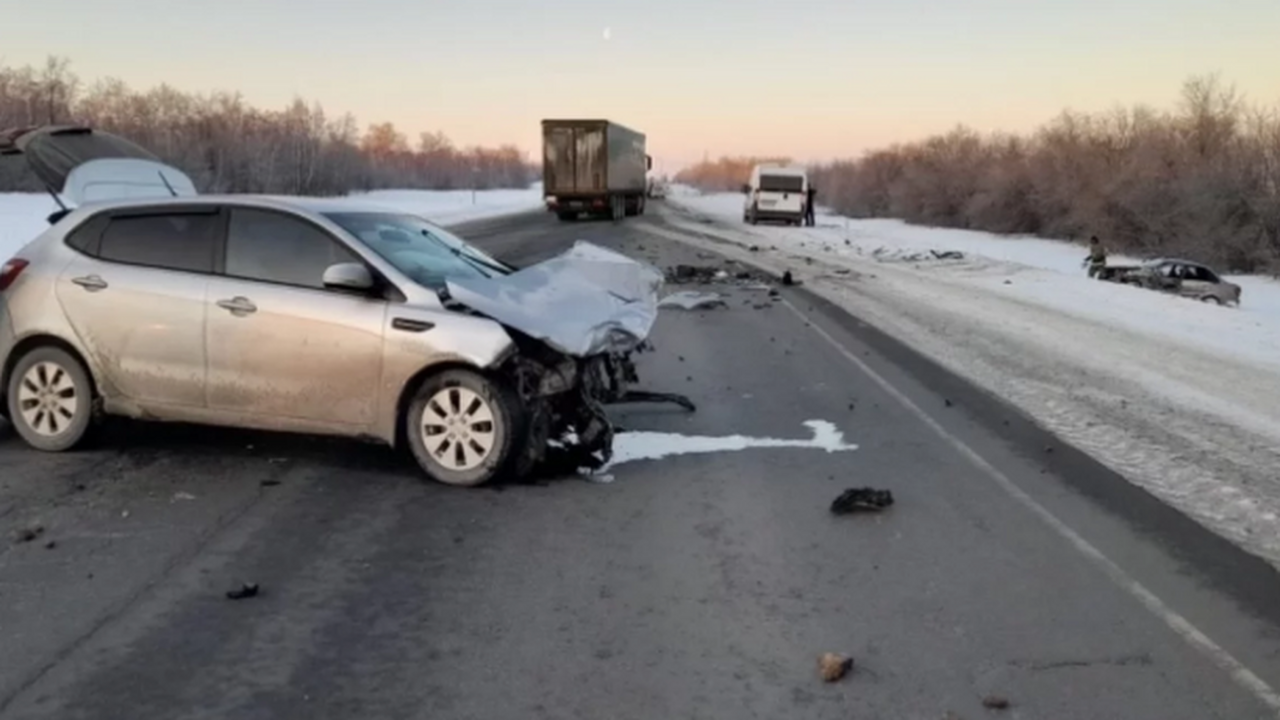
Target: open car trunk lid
(86,165)
(586,301)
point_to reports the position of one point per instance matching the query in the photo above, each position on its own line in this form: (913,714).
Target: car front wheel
(465,428)
(50,399)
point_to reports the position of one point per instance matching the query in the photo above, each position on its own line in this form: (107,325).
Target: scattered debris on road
(995,702)
(28,534)
(51,545)
(833,666)
(269,483)
(861,500)
(788,279)
(246,590)
(690,300)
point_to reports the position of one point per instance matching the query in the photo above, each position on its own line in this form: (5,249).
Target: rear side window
(172,241)
(782,183)
(85,237)
(279,248)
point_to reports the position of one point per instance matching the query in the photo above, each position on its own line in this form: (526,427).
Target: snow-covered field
(22,216)
(1179,396)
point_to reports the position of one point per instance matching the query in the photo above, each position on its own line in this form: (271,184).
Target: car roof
(318,205)
(1167,261)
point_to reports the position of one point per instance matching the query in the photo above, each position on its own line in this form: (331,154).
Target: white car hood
(585,301)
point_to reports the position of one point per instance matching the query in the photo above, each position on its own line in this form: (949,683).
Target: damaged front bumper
(568,429)
(577,320)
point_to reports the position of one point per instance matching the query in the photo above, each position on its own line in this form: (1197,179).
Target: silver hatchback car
(315,316)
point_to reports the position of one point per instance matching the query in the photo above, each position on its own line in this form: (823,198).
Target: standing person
(1097,256)
(808,206)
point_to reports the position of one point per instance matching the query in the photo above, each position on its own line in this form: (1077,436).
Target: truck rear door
(574,159)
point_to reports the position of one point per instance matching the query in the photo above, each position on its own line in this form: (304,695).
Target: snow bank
(1180,397)
(448,207)
(22,215)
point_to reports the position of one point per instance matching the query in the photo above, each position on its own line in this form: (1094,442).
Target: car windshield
(428,254)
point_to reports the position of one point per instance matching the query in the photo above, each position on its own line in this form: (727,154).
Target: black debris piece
(948,254)
(995,702)
(948,402)
(243,592)
(861,500)
(51,545)
(754,248)
(773,293)
(842,271)
(269,483)
(787,279)
(28,534)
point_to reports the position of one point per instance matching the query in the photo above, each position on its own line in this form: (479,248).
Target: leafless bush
(227,146)
(727,174)
(1200,181)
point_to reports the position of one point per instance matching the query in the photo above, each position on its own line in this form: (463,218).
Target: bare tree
(1202,180)
(225,145)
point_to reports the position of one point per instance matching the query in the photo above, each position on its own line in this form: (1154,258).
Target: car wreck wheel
(50,400)
(465,428)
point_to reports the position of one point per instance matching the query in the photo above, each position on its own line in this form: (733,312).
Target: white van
(776,192)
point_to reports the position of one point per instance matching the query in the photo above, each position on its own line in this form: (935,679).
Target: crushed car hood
(88,165)
(585,301)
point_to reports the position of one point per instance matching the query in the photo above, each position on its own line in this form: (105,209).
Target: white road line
(1242,675)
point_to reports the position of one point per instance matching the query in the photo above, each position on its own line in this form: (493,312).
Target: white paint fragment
(690,300)
(633,446)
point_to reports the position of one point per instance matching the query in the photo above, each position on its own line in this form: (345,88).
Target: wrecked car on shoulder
(148,300)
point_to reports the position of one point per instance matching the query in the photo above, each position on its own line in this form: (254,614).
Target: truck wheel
(631,208)
(567,216)
(465,428)
(640,205)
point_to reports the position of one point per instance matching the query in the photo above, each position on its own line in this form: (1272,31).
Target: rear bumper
(7,340)
(765,214)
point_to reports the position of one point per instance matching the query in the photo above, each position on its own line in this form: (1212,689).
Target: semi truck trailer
(593,166)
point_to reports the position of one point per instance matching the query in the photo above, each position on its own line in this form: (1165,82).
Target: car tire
(1211,299)
(466,429)
(50,400)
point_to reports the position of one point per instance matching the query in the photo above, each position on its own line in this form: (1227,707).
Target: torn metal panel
(584,302)
(690,300)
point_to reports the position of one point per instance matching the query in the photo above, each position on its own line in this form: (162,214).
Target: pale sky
(812,79)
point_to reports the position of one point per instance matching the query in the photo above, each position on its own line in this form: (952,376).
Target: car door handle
(414,326)
(238,306)
(92,283)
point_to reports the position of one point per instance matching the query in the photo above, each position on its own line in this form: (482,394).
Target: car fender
(418,341)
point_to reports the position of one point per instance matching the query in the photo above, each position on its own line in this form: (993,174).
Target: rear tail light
(10,271)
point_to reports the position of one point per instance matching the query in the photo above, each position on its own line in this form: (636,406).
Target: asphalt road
(693,586)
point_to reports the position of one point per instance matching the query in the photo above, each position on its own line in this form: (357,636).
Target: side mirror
(348,276)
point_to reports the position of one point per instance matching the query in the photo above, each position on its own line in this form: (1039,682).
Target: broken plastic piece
(861,500)
(832,666)
(641,396)
(690,300)
(246,590)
